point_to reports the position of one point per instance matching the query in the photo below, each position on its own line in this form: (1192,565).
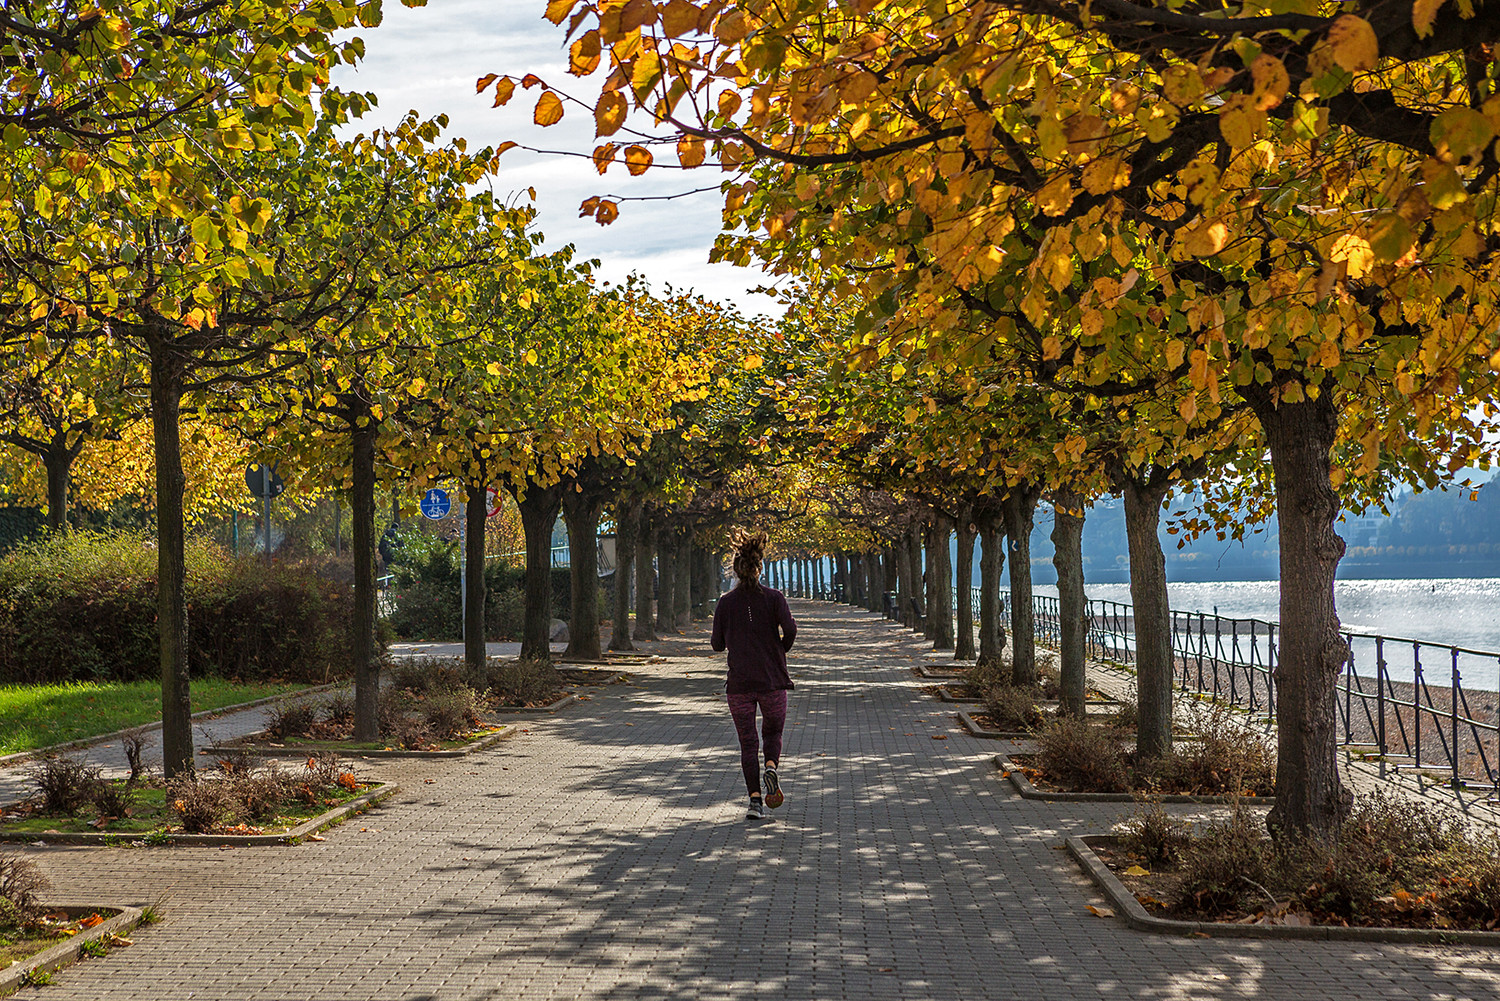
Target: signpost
(435,504)
(265,484)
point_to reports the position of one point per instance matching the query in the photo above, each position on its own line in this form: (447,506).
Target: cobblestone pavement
(601,854)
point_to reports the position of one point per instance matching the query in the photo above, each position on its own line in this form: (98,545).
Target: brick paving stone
(601,854)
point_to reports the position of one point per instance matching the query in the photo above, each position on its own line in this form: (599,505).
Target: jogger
(755,625)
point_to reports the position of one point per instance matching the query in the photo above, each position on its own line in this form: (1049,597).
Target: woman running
(756,625)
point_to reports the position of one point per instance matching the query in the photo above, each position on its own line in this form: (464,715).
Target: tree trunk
(942,591)
(890,568)
(171,600)
(666,575)
(627,523)
(58,461)
(918,576)
(706,572)
(1155,669)
(991,565)
(930,581)
(645,578)
(362,637)
(1312,652)
(476,502)
(538,516)
(963,648)
(1019,510)
(582,517)
(841,576)
(875,589)
(1067,548)
(904,592)
(684,591)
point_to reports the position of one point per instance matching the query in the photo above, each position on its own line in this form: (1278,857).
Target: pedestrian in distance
(754,623)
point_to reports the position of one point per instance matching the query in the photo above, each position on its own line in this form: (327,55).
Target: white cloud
(427,59)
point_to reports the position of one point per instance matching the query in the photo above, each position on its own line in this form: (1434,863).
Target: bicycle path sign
(435,504)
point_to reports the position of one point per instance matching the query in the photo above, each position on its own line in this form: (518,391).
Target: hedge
(82,606)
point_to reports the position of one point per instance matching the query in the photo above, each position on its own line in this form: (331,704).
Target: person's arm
(788,624)
(718,637)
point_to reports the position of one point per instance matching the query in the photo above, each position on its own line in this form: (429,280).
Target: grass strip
(33,716)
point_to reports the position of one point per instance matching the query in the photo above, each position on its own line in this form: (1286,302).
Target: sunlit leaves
(549,109)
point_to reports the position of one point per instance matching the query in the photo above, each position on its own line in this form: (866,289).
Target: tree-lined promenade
(1033,253)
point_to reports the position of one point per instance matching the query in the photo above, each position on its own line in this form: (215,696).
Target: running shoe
(756,810)
(772,784)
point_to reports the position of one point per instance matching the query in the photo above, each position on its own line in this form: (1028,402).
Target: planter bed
(289,834)
(592,676)
(1089,852)
(940,673)
(955,693)
(55,953)
(263,745)
(982,728)
(1016,774)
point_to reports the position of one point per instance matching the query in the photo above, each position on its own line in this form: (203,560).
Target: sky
(427,59)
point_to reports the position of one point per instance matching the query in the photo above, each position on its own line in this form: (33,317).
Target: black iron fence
(1415,705)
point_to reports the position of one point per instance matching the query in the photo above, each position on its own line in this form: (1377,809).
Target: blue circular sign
(435,504)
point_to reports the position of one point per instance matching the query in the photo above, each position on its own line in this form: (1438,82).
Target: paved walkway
(601,854)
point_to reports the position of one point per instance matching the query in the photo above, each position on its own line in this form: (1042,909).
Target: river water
(1452,612)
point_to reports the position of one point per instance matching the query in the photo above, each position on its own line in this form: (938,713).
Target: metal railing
(1416,705)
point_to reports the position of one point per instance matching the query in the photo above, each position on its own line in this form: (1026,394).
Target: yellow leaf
(1092,322)
(1103,176)
(729,103)
(485,81)
(417,386)
(1176,351)
(604,156)
(1352,43)
(637,160)
(1355,252)
(1271,81)
(1188,408)
(1136,870)
(1240,120)
(679,18)
(503,89)
(558,10)
(1055,196)
(493,368)
(1208,239)
(549,109)
(753,362)
(609,113)
(607,212)
(583,55)
(531,357)
(1051,349)
(1423,13)
(690,151)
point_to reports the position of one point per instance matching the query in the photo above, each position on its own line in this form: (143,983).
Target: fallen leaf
(90,921)
(429,781)
(1136,870)
(118,941)
(940,736)
(316,837)
(1101,912)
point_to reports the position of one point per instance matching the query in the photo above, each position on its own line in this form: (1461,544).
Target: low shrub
(292,718)
(522,682)
(113,799)
(419,674)
(1077,755)
(134,745)
(64,782)
(82,606)
(1014,707)
(259,794)
(1153,833)
(451,711)
(1225,863)
(203,804)
(339,709)
(398,723)
(21,885)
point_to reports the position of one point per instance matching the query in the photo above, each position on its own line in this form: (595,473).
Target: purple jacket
(758,628)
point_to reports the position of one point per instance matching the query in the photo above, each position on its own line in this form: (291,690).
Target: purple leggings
(773,720)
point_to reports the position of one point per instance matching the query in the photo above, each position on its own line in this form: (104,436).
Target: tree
(1311,191)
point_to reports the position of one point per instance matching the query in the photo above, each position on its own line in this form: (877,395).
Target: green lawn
(33,716)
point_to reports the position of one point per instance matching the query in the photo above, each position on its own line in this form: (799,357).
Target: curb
(537,709)
(66,952)
(104,738)
(979,731)
(1010,770)
(938,674)
(1138,917)
(321,822)
(948,696)
(283,751)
